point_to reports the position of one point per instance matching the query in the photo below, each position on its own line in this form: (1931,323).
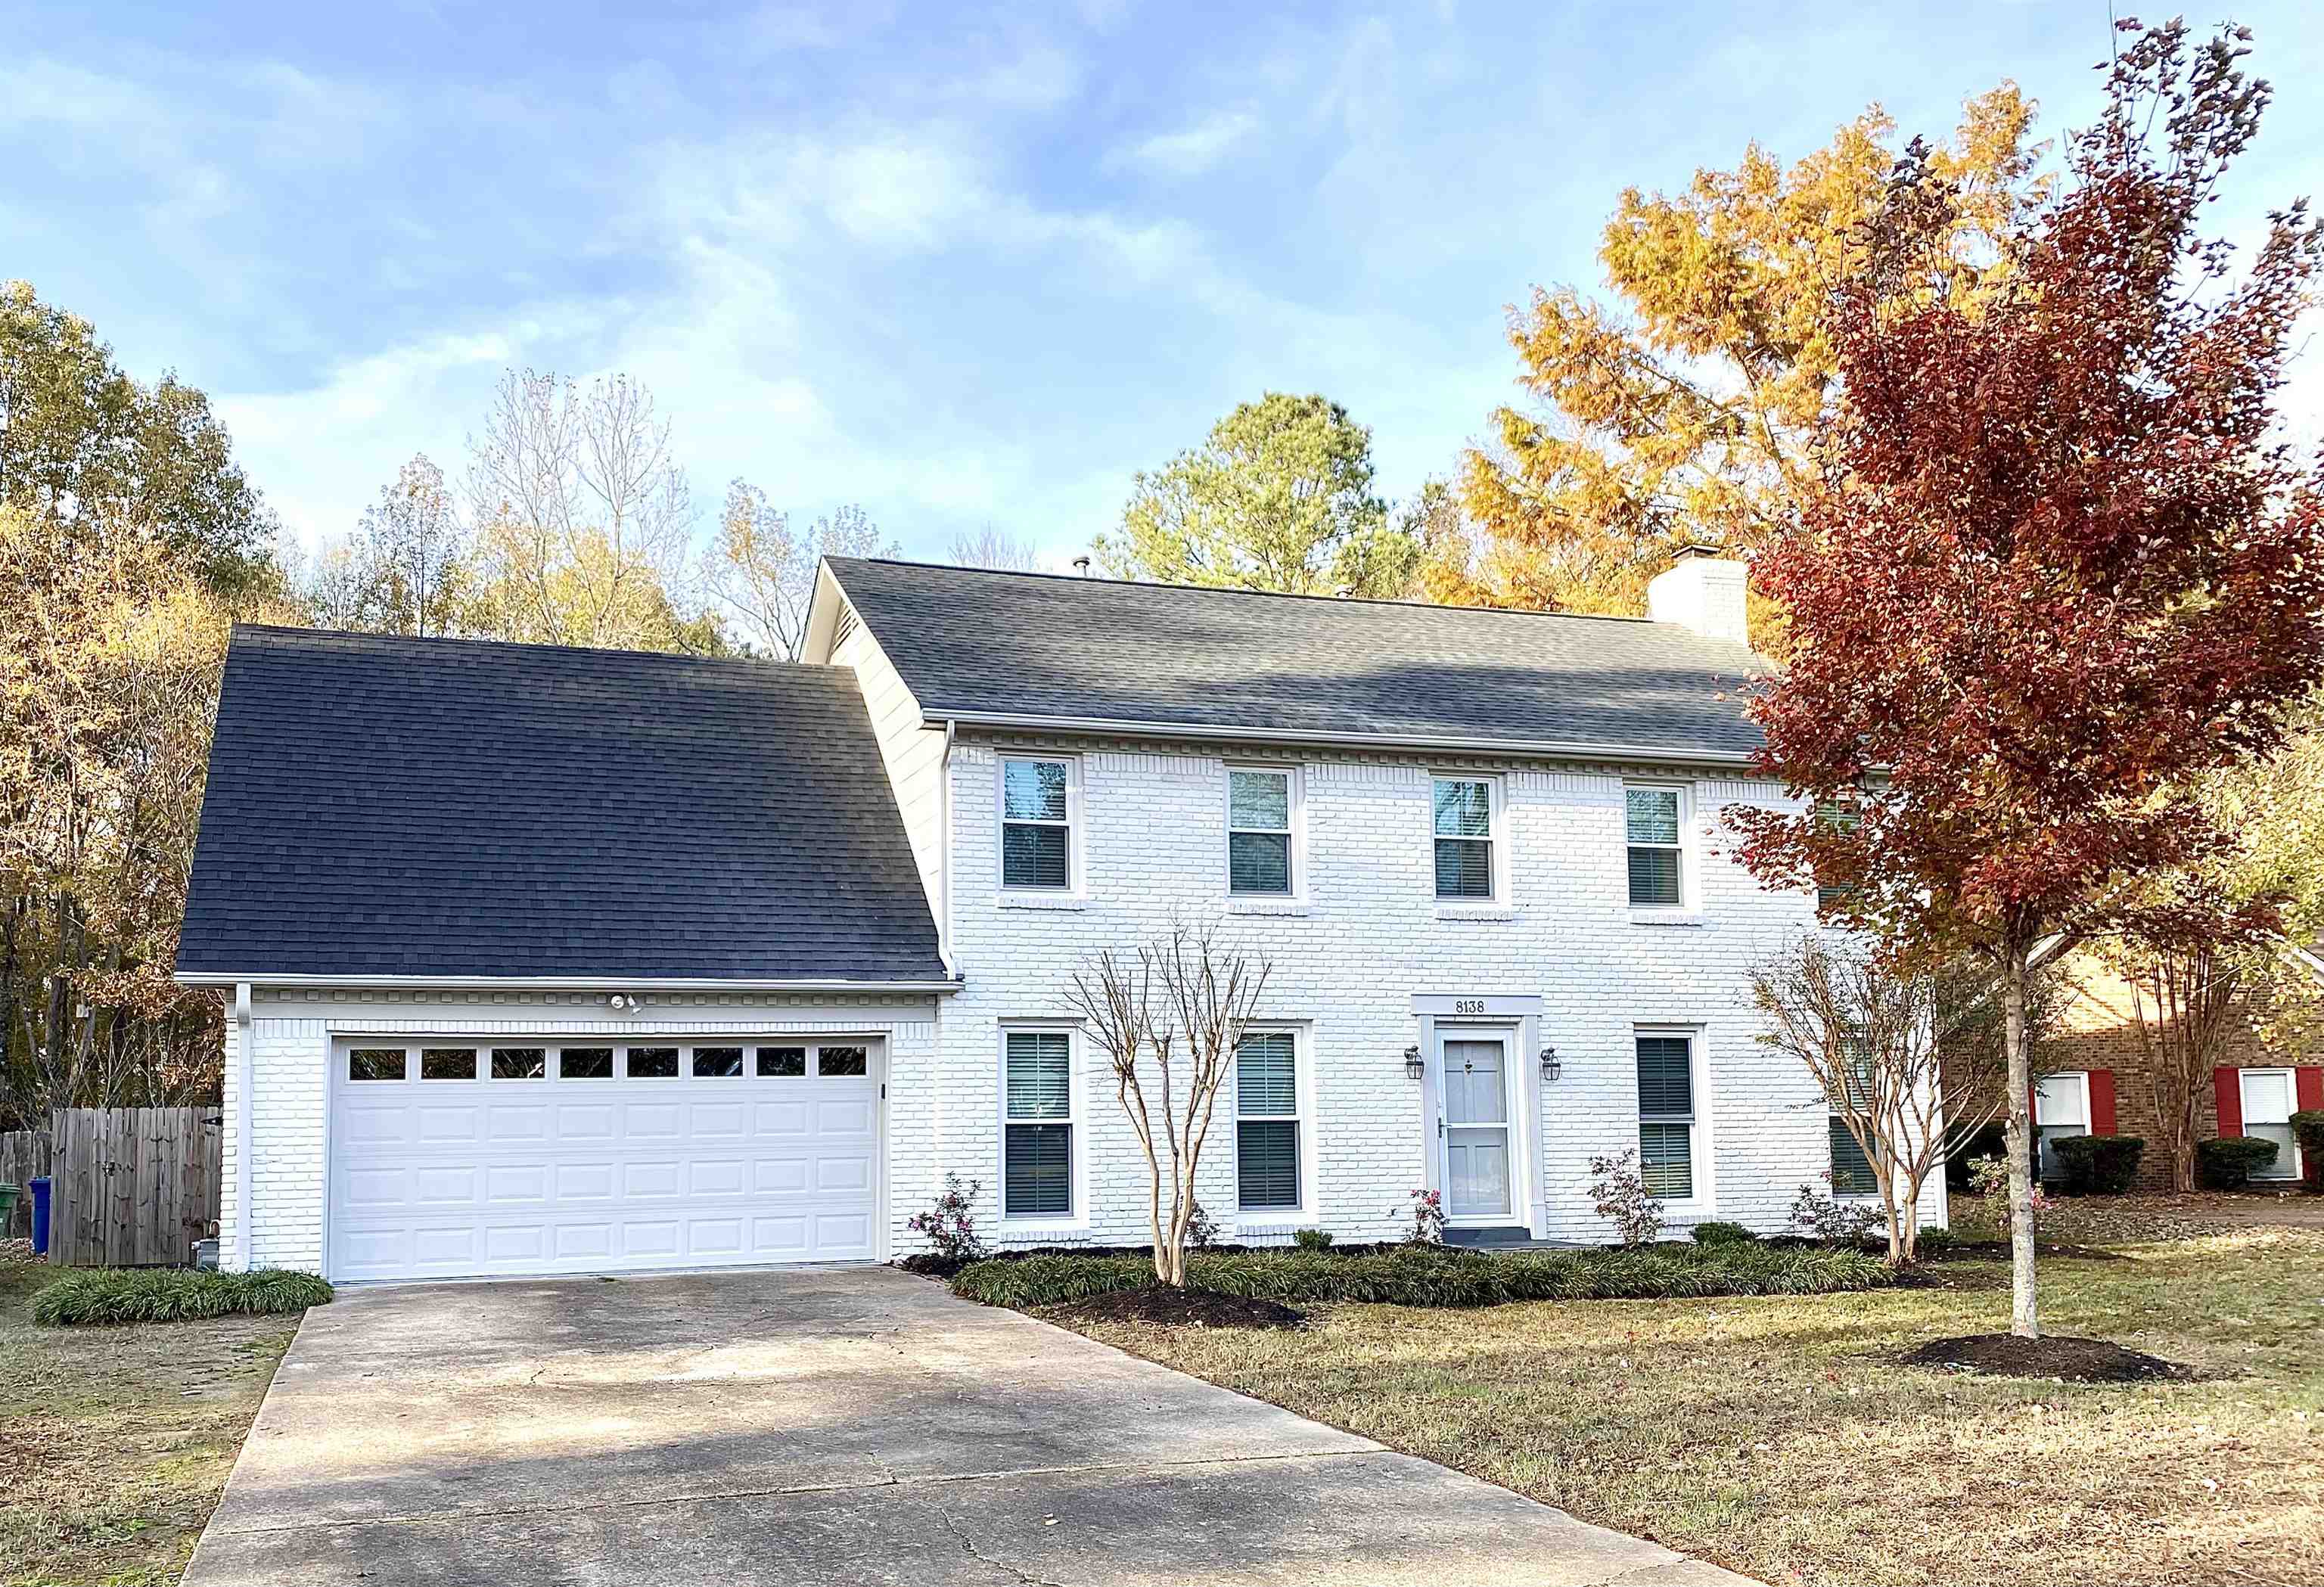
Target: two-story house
(546,960)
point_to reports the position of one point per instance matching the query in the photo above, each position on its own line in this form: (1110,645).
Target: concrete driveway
(827,1427)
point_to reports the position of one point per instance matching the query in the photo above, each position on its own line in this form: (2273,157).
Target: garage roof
(383,806)
(1025,647)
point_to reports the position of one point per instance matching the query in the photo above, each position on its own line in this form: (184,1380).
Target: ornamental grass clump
(173,1295)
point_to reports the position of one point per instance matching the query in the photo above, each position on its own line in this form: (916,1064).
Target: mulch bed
(1199,1308)
(2056,1355)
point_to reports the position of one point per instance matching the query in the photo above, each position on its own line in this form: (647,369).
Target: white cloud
(1190,150)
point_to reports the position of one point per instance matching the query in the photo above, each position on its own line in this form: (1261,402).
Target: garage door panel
(458,1177)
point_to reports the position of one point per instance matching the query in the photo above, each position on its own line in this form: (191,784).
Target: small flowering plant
(1619,1193)
(950,1225)
(1427,1219)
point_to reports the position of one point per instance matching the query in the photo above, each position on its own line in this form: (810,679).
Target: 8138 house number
(1467,1005)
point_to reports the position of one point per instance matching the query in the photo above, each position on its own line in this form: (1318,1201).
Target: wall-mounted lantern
(1412,1067)
(1550,1067)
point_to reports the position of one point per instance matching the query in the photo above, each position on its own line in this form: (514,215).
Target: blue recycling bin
(40,1189)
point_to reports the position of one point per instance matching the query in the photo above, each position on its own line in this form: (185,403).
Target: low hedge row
(2229,1162)
(2099,1165)
(172,1294)
(1435,1276)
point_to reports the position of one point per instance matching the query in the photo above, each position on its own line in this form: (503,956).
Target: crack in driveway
(968,1546)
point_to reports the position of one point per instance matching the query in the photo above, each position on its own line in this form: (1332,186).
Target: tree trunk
(1910,1227)
(2025,1316)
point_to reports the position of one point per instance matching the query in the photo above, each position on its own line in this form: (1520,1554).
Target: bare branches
(763,571)
(1181,1004)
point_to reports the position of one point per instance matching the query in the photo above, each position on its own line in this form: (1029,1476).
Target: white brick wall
(292,1034)
(1347,964)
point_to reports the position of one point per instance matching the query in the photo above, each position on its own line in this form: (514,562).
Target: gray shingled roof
(425,807)
(1041,645)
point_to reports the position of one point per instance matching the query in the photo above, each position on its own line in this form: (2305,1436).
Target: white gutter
(245,1113)
(1552,749)
(244,980)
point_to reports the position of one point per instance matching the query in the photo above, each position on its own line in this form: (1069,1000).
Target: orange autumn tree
(2054,568)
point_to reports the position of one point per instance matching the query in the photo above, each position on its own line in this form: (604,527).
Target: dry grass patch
(114,1442)
(1779,1435)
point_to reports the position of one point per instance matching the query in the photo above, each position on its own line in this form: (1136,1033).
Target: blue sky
(963,265)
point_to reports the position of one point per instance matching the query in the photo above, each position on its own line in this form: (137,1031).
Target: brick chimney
(1704,591)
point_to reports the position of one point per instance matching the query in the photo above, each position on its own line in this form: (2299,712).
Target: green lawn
(1776,1437)
(114,1442)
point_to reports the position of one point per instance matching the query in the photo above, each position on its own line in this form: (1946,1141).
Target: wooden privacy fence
(134,1186)
(24,1157)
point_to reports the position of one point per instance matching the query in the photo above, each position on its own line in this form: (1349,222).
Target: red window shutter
(2308,1080)
(2228,1086)
(2102,1101)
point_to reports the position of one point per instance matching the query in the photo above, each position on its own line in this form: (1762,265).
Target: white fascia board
(564,983)
(1546,749)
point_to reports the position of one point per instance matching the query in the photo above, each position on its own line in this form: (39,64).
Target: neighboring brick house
(2097,1081)
(553,961)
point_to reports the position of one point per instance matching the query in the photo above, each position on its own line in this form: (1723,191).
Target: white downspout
(244,1111)
(944,854)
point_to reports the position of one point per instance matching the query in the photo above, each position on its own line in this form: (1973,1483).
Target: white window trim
(1689,908)
(1704,1202)
(1295,793)
(1076,888)
(1303,1080)
(2298,1167)
(2081,1079)
(1077,1099)
(1497,837)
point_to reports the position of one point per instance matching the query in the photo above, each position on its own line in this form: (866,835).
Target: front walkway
(832,1427)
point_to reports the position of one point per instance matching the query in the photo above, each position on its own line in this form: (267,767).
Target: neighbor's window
(843,1061)
(376,1063)
(1652,817)
(1036,830)
(1258,830)
(1851,1170)
(2058,1112)
(1666,1115)
(717,1062)
(520,1063)
(782,1063)
(447,1063)
(1038,1154)
(1836,818)
(1464,838)
(653,1063)
(584,1063)
(1267,1123)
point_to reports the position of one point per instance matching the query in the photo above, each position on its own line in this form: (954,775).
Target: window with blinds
(1037,1177)
(1651,818)
(1259,857)
(1851,1170)
(1666,1116)
(1464,838)
(1267,1123)
(1836,818)
(1036,834)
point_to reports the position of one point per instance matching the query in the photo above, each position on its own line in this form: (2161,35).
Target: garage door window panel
(849,1063)
(377,1062)
(717,1062)
(782,1063)
(652,1063)
(520,1063)
(447,1063)
(586,1063)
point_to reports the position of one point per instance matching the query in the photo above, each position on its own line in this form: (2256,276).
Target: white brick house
(1462,840)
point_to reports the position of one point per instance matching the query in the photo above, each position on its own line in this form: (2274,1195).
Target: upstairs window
(1267,1123)
(1259,857)
(1652,817)
(1037,1174)
(1666,1116)
(1036,833)
(1836,818)
(1464,838)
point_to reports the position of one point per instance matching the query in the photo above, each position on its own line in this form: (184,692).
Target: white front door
(1476,1127)
(2267,1114)
(496,1155)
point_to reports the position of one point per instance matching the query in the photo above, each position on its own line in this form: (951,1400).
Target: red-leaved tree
(2057,562)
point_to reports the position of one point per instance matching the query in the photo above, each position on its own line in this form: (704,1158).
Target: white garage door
(453,1158)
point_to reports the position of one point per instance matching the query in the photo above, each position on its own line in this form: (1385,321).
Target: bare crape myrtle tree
(1168,1016)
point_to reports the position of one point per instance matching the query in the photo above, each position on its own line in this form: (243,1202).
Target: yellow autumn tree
(1681,415)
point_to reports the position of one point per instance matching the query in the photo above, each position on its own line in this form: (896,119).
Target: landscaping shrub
(2308,1129)
(949,1225)
(1989,1140)
(1716,1233)
(2098,1164)
(1311,1239)
(1930,1242)
(2229,1162)
(1437,1276)
(172,1294)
